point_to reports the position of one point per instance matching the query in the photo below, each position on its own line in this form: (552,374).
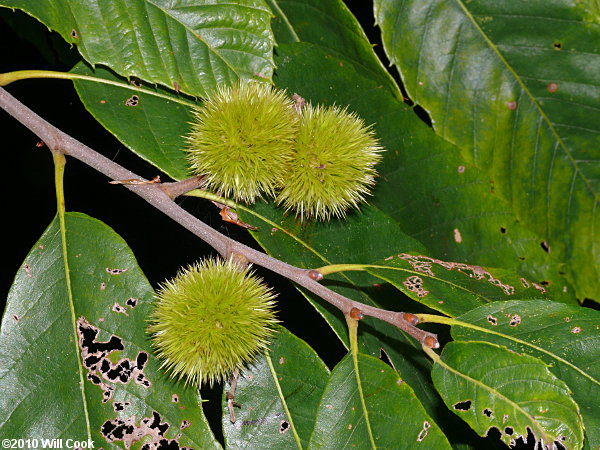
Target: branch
(161,197)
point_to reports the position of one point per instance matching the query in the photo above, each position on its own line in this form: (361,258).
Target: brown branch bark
(162,198)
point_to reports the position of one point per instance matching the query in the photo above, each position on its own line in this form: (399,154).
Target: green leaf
(151,123)
(75,361)
(565,337)
(393,418)
(187,45)
(451,287)
(515,86)
(278,396)
(491,387)
(332,27)
(425,188)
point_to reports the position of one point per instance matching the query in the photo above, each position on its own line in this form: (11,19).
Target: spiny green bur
(333,167)
(210,320)
(242,139)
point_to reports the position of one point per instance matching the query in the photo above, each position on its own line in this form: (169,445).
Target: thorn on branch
(174,190)
(431,342)
(410,318)
(356,314)
(315,275)
(229,215)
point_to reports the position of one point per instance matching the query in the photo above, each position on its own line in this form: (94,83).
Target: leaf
(565,337)
(333,28)
(151,123)
(75,361)
(515,86)
(489,387)
(393,417)
(278,397)
(424,185)
(451,287)
(187,45)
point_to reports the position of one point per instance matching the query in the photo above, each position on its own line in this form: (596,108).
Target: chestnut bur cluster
(252,141)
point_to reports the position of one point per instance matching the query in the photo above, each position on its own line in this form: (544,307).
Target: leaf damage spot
(281,360)
(525,283)
(424,431)
(127,431)
(102,286)
(509,431)
(389,258)
(74,34)
(284,426)
(131,302)
(349,426)
(552,87)
(567,319)
(424,264)
(462,406)
(273,231)
(27,269)
(545,246)
(542,289)
(175,398)
(461,169)
(115,271)
(488,413)
(185,424)
(119,309)
(134,100)
(415,284)
(16,318)
(493,320)
(557,46)
(576,330)
(120,406)
(515,320)
(101,370)
(512,105)
(457,236)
